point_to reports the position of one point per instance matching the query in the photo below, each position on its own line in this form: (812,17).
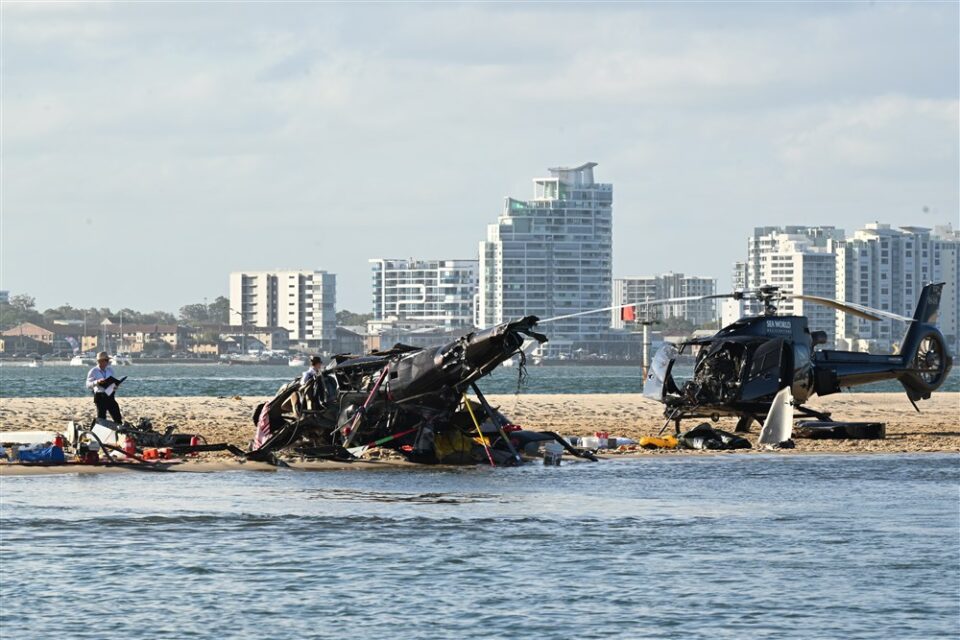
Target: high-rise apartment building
(667,285)
(798,260)
(886,268)
(766,240)
(551,255)
(437,293)
(301,301)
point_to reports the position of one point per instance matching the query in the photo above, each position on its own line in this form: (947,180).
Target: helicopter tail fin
(926,361)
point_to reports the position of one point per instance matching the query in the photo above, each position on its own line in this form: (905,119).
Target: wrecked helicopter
(411,400)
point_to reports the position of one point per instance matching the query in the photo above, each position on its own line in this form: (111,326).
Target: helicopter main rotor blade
(859,310)
(642,303)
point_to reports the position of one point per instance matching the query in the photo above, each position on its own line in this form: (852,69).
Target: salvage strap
(483,440)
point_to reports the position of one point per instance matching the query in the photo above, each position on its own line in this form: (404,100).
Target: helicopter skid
(756,411)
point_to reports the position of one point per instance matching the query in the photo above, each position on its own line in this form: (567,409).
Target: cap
(103,355)
(316,360)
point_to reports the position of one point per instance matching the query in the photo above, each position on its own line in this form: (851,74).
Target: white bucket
(552,454)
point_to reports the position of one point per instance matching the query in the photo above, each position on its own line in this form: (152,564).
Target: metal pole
(646,349)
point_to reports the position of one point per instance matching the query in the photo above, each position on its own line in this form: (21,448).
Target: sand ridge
(228,419)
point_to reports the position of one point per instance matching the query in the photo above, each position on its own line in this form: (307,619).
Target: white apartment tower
(798,260)
(667,285)
(886,269)
(551,255)
(302,301)
(439,293)
(765,239)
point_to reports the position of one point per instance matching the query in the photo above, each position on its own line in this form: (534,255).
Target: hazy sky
(167,145)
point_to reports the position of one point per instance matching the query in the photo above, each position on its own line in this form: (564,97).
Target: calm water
(256,380)
(704,547)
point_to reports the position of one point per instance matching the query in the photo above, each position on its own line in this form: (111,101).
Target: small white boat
(121,359)
(297,361)
(36,362)
(83,360)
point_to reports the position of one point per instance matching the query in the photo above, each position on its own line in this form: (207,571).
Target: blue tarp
(46,455)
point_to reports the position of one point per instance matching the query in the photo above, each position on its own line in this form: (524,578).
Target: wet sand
(937,428)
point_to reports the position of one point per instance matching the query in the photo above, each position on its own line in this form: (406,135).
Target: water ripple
(767,548)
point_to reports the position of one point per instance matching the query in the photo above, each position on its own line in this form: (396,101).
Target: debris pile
(407,399)
(105,442)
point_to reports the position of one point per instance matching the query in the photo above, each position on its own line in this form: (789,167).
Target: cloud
(318,135)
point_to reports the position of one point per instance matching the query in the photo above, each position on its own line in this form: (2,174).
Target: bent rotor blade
(867,313)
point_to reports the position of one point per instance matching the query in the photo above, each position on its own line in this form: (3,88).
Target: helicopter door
(659,382)
(766,373)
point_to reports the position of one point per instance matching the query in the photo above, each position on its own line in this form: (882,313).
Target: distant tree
(23,302)
(346,318)
(93,316)
(158,317)
(20,309)
(677,326)
(60,313)
(218,311)
(194,313)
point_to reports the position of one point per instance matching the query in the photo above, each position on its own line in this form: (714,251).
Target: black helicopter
(411,400)
(740,370)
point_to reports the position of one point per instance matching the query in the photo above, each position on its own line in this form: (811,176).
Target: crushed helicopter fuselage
(408,399)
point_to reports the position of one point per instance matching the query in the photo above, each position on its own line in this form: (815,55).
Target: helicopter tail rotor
(926,359)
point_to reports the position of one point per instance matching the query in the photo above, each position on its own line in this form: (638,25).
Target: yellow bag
(652,442)
(453,447)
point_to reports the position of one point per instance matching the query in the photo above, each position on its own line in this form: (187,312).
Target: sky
(150,149)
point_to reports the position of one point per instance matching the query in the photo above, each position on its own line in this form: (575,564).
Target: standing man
(313,371)
(100,380)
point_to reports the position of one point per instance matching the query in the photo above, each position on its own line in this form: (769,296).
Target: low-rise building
(262,338)
(350,340)
(51,339)
(137,338)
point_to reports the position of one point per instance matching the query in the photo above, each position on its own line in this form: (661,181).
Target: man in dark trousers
(100,381)
(315,373)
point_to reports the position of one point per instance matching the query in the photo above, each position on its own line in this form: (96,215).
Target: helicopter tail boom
(921,366)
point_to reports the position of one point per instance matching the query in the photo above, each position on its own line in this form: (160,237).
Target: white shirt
(100,374)
(309,375)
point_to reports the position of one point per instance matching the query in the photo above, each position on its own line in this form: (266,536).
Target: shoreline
(935,430)
(9,470)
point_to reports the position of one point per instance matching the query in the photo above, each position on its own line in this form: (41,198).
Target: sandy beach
(228,419)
